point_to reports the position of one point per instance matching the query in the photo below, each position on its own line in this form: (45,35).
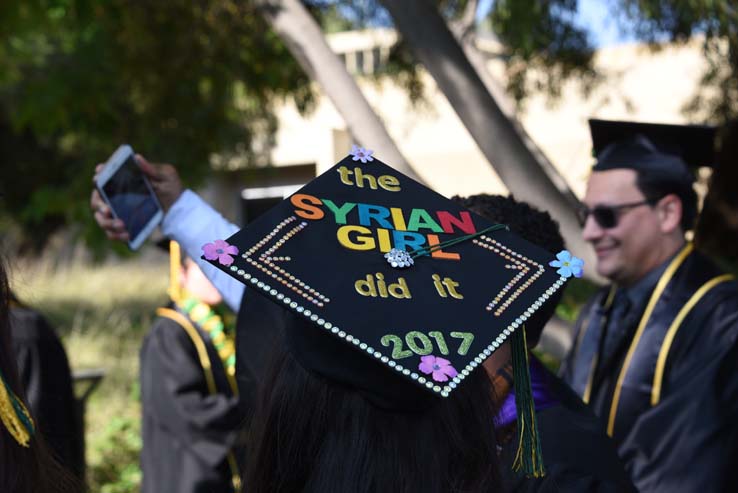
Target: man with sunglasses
(655,353)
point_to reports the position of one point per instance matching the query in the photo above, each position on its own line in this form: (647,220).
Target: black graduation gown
(47,382)
(260,327)
(187,432)
(686,439)
(577,453)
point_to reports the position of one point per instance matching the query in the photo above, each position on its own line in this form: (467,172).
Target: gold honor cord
(658,377)
(660,286)
(593,367)
(14,415)
(588,389)
(175,264)
(202,354)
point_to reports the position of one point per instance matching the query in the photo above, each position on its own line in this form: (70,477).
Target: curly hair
(535,226)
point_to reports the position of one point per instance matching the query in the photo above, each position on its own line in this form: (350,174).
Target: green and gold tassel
(528,458)
(15,416)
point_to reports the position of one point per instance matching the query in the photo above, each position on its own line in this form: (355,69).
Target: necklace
(221,333)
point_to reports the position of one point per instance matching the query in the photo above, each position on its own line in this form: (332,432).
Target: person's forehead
(612,187)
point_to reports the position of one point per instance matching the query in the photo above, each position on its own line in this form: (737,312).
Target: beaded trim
(443,391)
(266,263)
(518,263)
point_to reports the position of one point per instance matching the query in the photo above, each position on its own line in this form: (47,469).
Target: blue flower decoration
(568,265)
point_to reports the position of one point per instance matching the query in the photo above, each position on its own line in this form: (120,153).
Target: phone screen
(130,197)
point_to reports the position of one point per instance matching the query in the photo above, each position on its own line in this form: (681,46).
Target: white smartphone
(129,194)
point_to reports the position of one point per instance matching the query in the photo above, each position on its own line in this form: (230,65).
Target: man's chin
(606,267)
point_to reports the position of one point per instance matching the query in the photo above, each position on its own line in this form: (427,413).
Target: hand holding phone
(129,195)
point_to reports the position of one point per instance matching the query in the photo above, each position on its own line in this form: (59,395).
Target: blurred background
(252,99)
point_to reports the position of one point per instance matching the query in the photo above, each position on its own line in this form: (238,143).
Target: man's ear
(669,211)
(182,275)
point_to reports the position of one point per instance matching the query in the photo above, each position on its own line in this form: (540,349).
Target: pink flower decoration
(221,251)
(439,367)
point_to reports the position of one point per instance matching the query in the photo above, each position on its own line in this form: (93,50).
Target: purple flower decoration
(361,154)
(221,251)
(568,265)
(440,368)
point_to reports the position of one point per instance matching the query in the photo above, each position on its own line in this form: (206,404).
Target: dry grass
(102,313)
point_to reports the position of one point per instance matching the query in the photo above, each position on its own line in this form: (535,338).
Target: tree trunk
(464,35)
(426,32)
(305,40)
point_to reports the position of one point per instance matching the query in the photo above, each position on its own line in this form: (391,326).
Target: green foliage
(716,22)
(178,80)
(181,81)
(545,46)
(102,313)
(578,291)
(119,446)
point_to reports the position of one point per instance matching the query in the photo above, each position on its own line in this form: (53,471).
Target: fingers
(150,170)
(164,180)
(98,169)
(114,228)
(168,174)
(95,200)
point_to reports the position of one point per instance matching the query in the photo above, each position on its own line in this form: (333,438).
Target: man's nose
(592,231)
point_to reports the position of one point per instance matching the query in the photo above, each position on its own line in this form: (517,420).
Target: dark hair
(24,469)
(311,435)
(654,187)
(538,227)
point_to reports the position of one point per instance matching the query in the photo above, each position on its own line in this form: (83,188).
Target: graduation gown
(188,430)
(577,453)
(47,382)
(667,390)
(260,326)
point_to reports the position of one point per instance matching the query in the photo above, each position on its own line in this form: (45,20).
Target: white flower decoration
(361,154)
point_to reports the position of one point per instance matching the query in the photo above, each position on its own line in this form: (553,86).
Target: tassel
(175,264)
(15,416)
(528,458)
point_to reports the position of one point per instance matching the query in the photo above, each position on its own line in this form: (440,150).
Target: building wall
(638,85)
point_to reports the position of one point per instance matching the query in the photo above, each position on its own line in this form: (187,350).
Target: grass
(102,314)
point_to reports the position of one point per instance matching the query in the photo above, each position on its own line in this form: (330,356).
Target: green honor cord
(427,251)
(528,458)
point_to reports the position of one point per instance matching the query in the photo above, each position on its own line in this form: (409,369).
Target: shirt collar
(639,291)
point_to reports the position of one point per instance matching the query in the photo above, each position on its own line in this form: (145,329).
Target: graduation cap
(668,150)
(394,290)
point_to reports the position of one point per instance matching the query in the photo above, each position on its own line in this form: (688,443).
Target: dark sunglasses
(607,216)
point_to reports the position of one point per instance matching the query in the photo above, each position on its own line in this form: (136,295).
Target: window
(376,59)
(360,62)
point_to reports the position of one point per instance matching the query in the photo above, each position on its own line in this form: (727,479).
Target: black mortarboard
(668,150)
(399,333)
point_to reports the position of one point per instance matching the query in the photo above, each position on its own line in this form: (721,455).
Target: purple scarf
(542,397)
